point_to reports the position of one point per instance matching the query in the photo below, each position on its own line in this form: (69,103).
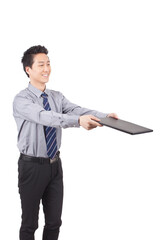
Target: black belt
(40,160)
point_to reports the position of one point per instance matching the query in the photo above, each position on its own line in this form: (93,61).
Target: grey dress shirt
(31,117)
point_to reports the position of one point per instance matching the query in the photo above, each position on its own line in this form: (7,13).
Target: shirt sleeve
(25,108)
(73,109)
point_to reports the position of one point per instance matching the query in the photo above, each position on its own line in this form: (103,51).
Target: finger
(96,124)
(113,115)
(91,127)
(95,118)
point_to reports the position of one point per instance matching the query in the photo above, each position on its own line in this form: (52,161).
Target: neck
(40,86)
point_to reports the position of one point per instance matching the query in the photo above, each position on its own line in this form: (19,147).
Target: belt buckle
(52,160)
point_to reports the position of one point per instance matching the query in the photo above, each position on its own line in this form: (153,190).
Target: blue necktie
(50,132)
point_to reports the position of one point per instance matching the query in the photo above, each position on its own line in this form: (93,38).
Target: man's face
(40,70)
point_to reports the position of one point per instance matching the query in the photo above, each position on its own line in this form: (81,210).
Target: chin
(45,80)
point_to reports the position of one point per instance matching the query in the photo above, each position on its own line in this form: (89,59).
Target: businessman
(40,114)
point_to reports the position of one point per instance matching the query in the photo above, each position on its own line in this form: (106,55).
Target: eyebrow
(43,61)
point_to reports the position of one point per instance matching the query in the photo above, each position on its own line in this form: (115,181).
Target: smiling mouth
(45,75)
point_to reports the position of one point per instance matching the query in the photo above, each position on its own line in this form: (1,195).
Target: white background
(105,55)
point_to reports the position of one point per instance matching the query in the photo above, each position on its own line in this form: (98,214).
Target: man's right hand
(89,122)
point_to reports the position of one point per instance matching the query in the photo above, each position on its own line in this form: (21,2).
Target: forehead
(40,57)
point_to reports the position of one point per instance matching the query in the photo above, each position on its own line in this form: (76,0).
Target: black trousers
(36,182)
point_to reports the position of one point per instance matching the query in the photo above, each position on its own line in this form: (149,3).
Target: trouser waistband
(40,160)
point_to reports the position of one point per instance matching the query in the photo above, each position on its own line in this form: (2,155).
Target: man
(40,114)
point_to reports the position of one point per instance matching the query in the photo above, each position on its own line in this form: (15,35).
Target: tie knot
(44,95)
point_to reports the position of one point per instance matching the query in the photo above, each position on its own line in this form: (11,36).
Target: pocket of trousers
(60,167)
(25,172)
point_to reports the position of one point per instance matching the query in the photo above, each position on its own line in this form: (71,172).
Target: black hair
(28,56)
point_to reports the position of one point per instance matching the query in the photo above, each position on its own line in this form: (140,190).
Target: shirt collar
(36,91)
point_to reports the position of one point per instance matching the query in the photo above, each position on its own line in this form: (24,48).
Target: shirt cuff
(70,121)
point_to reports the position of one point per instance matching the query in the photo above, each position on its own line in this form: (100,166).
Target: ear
(28,70)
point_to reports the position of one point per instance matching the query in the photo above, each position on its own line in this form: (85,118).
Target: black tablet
(124,126)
